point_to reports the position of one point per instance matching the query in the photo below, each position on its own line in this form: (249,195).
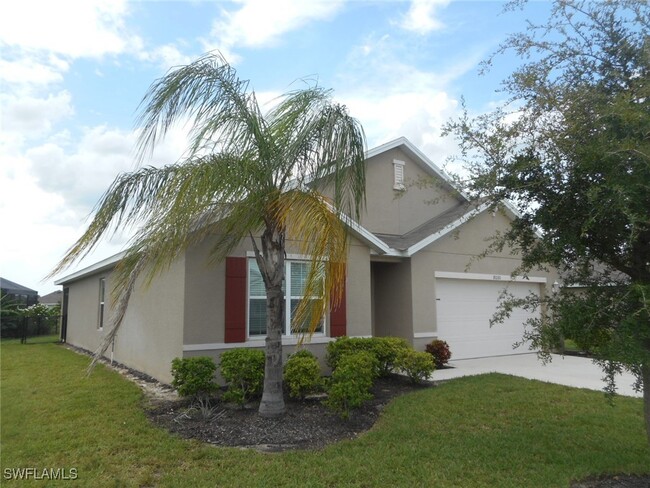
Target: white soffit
(94,268)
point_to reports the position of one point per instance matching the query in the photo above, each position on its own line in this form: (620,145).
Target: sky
(72,74)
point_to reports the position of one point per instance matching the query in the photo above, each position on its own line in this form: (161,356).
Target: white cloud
(83,171)
(166,56)
(33,237)
(38,228)
(417,115)
(34,116)
(49,190)
(259,23)
(421,17)
(31,70)
(392,97)
(381,62)
(74,28)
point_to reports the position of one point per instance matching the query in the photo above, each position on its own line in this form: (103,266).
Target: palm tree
(245,174)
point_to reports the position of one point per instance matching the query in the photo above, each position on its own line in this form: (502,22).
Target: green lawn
(34,340)
(491,430)
(571,346)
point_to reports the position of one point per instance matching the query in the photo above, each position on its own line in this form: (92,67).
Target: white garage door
(464,309)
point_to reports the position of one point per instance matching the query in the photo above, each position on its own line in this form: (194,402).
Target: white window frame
(398,175)
(102,303)
(286,332)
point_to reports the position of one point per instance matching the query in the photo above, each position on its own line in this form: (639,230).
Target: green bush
(418,366)
(343,346)
(194,377)
(385,349)
(302,374)
(440,352)
(388,350)
(243,371)
(351,382)
(302,353)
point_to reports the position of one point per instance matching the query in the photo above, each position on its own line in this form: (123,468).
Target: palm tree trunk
(272,404)
(272,268)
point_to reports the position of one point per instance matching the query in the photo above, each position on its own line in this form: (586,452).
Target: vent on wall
(398,175)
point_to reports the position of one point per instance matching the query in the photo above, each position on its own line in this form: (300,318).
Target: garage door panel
(464,310)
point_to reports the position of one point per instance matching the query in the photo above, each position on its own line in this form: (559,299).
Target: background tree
(571,150)
(10,315)
(244,174)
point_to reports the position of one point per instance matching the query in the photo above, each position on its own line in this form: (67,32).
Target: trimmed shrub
(194,377)
(440,352)
(385,349)
(301,353)
(302,375)
(351,382)
(346,345)
(243,371)
(418,366)
(388,350)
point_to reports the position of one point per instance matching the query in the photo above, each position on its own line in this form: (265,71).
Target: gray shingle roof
(54,297)
(15,288)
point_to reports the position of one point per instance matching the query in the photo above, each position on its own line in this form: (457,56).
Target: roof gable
(419,158)
(404,189)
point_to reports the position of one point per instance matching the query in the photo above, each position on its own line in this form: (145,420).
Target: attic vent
(398,175)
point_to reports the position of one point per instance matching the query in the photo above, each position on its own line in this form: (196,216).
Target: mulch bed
(307,424)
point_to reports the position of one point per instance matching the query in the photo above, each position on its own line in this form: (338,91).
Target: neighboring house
(408,275)
(52,299)
(19,294)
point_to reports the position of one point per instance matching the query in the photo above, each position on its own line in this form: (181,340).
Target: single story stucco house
(408,275)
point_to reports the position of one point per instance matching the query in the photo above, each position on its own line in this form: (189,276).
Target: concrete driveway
(568,370)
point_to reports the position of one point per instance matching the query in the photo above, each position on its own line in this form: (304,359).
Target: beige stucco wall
(205,290)
(152,332)
(359,299)
(455,253)
(396,212)
(393,300)
(204,314)
(150,335)
(424,303)
(83,311)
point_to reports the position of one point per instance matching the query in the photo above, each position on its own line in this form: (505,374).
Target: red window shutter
(235,300)
(338,316)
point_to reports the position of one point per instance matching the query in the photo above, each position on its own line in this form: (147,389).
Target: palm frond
(177,194)
(321,234)
(322,145)
(224,115)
